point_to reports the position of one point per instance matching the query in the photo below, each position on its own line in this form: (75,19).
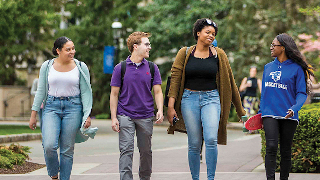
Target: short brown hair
(135,38)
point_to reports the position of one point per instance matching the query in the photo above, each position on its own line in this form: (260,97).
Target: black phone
(174,121)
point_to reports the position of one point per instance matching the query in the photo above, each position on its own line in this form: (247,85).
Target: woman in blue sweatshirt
(284,91)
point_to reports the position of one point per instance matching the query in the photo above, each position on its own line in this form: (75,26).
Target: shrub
(306,141)
(14,154)
(5,163)
(233,117)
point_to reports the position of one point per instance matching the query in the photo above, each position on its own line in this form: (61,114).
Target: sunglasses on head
(209,22)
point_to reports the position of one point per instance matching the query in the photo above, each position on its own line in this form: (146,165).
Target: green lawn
(16,129)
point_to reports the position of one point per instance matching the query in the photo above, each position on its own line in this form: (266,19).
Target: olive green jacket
(227,88)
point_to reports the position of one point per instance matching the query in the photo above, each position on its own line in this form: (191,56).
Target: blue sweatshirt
(283,89)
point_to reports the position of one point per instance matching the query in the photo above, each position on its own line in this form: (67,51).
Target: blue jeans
(61,119)
(201,114)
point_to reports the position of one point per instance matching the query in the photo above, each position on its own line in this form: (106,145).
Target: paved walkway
(98,159)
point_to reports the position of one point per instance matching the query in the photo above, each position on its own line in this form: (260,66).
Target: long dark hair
(295,55)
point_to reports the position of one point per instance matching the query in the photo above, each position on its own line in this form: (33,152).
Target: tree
(310,46)
(252,25)
(93,33)
(246,28)
(171,22)
(26,27)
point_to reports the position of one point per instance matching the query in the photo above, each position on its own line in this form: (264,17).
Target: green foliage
(26,27)
(306,142)
(102,116)
(16,129)
(310,11)
(93,33)
(309,43)
(233,117)
(246,28)
(171,23)
(5,162)
(14,154)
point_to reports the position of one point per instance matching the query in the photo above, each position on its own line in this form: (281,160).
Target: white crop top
(64,84)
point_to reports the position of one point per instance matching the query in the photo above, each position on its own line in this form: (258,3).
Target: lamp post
(116,26)
(63,14)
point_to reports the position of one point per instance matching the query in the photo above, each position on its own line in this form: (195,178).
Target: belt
(61,98)
(197,90)
(64,98)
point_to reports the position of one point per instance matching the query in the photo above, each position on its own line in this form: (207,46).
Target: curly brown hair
(135,38)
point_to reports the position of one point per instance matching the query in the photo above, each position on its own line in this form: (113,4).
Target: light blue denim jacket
(85,91)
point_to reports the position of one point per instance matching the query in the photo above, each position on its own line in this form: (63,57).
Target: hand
(243,118)
(33,123)
(289,114)
(87,123)
(159,117)
(249,83)
(115,125)
(170,114)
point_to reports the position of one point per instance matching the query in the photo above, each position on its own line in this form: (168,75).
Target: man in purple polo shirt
(132,109)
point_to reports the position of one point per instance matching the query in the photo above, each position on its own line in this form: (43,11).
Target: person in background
(34,87)
(315,91)
(33,92)
(132,110)
(249,87)
(284,91)
(201,91)
(65,91)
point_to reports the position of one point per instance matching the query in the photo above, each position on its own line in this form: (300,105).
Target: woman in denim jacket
(65,91)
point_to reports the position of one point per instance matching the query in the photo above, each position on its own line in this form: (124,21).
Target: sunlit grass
(16,129)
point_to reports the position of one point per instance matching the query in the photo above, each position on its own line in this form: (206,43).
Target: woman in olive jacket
(200,95)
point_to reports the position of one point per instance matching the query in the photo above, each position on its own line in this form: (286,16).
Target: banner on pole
(108,59)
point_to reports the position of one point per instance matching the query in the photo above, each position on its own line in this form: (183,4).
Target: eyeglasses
(273,45)
(209,22)
(146,44)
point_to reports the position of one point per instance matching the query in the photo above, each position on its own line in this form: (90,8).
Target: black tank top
(201,73)
(252,91)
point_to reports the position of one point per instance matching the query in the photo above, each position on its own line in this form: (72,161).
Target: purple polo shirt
(135,100)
